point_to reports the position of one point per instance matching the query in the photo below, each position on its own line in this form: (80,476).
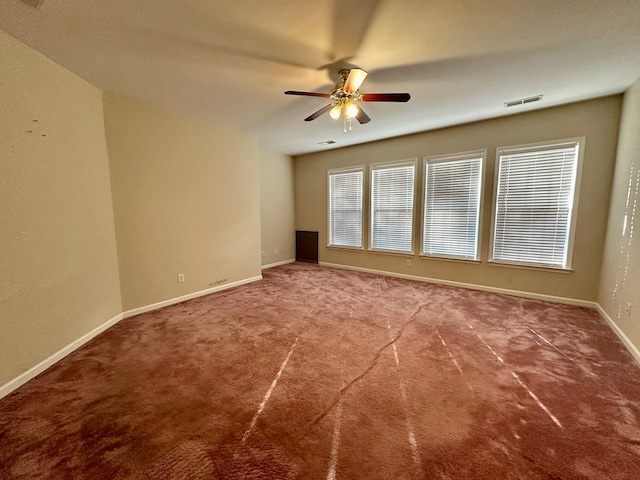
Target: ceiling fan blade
(385,97)
(354,80)
(322,111)
(308,94)
(362,117)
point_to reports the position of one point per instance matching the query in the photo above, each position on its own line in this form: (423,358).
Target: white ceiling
(230,61)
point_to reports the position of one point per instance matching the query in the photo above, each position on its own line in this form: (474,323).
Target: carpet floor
(321,373)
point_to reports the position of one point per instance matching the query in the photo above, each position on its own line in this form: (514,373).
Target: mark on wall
(34,128)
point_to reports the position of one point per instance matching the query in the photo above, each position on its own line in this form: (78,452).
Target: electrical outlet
(181,278)
(264,254)
(407,263)
(275,251)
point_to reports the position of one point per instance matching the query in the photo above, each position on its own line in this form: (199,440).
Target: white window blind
(392,191)
(452,206)
(535,204)
(345,207)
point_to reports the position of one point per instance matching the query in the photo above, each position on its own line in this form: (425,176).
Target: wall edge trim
(633,350)
(277,264)
(172,301)
(472,286)
(36,370)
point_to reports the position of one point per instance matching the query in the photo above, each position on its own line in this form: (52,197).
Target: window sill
(392,252)
(347,249)
(523,266)
(450,259)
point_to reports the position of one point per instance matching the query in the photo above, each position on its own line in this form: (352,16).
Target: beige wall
(58,258)
(186,196)
(620,276)
(277,207)
(597,120)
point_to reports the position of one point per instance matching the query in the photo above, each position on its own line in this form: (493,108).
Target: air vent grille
(523,101)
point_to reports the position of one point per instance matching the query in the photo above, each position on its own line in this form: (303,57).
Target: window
(345,207)
(392,191)
(452,187)
(535,203)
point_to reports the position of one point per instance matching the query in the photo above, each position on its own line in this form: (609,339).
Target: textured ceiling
(231,61)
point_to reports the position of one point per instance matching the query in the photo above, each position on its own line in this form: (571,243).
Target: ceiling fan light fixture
(351,110)
(335,111)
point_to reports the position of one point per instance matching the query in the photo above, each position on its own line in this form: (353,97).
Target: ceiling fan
(345,94)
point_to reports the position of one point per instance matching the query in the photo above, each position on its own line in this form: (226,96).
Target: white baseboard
(23,378)
(277,264)
(505,291)
(190,296)
(633,350)
(33,372)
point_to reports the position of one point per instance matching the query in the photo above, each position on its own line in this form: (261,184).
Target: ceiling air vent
(523,101)
(33,3)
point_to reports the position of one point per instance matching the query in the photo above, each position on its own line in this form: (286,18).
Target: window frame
(579,143)
(338,171)
(482,154)
(371,227)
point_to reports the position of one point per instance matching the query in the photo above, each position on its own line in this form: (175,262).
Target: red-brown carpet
(319,373)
